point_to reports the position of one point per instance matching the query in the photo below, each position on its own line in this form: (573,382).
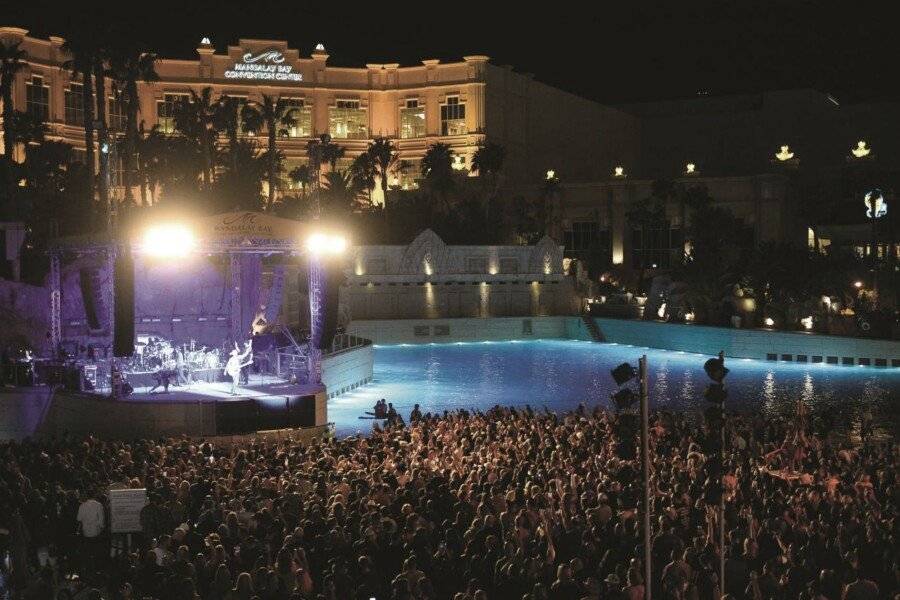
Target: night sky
(639,51)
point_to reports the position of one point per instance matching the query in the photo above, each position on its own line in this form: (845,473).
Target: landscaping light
(857,284)
(784,154)
(619,172)
(168,240)
(689,316)
(690,168)
(551,175)
(861,150)
(770,322)
(807,322)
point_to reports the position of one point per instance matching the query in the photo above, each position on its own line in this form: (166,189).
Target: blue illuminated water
(559,374)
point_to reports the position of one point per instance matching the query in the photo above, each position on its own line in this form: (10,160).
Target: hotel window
(662,247)
(348,120)
(301,113)
(409,173)
(453,116)
(115,114)
(165,111)
(412,120)
(74,105)
(37,98)
(586,238)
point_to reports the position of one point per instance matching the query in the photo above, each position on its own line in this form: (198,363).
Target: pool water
(559,374)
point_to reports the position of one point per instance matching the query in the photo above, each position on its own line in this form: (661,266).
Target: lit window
(301,113)
(74,98)
(165,111)
(115,114)
(412,120)
(37,98)
(409,172)
(453,117)
(348,120)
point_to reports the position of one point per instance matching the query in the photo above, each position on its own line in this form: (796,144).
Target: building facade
(460,104)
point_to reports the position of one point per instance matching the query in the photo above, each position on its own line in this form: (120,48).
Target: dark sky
(637,51)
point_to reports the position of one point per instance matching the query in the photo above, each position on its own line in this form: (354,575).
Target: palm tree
(228,117)
(363,171)
(384,158)
(339,192)
(302,176)
(11,62)
(100,73)
(195,118)
(437,170)
(83,50)
(488,161)
(276,115)
(130,63)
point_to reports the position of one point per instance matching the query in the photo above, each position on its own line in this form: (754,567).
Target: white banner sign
(125,509)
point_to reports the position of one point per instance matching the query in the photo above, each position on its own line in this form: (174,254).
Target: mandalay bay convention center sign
(267,65)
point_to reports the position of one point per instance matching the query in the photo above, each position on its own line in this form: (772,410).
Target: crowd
(507,504)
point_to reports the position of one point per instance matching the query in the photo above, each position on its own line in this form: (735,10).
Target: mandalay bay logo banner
(267,65)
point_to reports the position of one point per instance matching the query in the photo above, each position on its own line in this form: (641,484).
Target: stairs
(592,328)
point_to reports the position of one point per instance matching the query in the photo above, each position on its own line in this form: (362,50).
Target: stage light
(623,373)
(325,243)
(168,240)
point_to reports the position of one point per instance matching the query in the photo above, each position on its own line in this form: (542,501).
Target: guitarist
(236,362)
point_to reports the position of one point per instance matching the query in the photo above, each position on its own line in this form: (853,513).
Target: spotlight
(168,240)
(323,243)
(715,369)
(624,398)
(623,373)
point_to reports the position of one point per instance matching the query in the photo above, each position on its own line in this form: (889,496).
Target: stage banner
(125,509)
(246,230)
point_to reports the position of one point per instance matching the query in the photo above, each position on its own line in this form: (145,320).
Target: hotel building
(460,104)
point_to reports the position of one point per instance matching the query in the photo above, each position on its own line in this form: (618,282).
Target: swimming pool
(559,374)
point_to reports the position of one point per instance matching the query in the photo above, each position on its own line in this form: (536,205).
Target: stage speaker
(123,292)
(87,280)
(334,278)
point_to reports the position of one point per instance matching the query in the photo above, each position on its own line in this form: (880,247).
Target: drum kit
(154,354)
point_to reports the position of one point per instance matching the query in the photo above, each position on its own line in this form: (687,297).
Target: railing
(346,341)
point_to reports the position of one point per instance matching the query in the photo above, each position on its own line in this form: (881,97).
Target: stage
(199,410)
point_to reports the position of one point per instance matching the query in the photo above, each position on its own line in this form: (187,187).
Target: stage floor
(258,387)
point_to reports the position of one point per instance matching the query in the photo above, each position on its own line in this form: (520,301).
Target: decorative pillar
(234,270)
(55,304)
(317,284)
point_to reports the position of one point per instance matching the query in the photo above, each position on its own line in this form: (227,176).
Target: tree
(196,118)
(239,186)
(363,172)
(100,74)
(384,159)
(488,162)
(338,193)
(301,175)
(11,63)
(131,63)
(437,172)
(84,50)
(276,115)
(152,159)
